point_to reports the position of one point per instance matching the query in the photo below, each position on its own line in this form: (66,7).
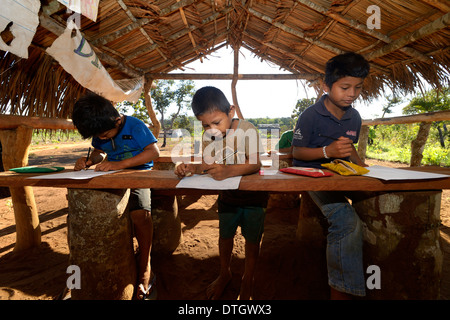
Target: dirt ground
(287,269)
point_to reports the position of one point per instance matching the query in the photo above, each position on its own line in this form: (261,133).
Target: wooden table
(401,218)
(281,182)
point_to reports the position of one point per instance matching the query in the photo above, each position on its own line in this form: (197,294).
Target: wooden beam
(295,57)
(355,25)
(141,22)
(12,122)
(423,117)
(188,52)
(144,33)
(444,6)
(208,76)
(295,32)
(176,36)
(426,30)
(183,17)
(302,35)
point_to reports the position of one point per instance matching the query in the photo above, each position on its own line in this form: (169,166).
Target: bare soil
(287,269)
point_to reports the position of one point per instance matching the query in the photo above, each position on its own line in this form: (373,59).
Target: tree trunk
(151,112)
(418,144)
(16,145)
(362,143)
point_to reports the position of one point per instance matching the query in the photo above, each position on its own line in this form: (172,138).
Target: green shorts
(139,199)
(250,219)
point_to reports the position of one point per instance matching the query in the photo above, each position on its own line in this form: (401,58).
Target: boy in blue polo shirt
(325,131)
(121,142)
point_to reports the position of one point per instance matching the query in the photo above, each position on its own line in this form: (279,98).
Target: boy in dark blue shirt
(121,142)
(325,131)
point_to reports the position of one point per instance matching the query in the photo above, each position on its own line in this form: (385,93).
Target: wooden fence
(418,144)
(12,122)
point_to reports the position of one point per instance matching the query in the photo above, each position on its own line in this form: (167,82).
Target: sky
(265,98)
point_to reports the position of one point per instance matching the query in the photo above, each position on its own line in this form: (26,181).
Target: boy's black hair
(348,64)
(209,99)
(92,115)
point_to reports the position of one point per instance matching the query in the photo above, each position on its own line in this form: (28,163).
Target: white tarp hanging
(22,18)
(88,8)
(78,58)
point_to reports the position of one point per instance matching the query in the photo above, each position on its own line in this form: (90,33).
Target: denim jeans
(344,242)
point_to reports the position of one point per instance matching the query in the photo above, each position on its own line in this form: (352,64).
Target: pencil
(217,162)
(226,157)
(87,158)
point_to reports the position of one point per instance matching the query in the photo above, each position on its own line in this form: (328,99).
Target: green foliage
(430,101)
(391,102)
(301,106)
(164,94)
(393,143)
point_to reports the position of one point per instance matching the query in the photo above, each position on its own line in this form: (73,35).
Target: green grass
(393,143)
(43,137)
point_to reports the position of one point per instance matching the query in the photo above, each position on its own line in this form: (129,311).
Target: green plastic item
(34,169)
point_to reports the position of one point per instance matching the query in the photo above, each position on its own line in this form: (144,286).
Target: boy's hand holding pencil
(82,164)
(340,148)
(185,170)
(92,158)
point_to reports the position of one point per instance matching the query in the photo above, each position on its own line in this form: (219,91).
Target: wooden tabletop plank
(280,182)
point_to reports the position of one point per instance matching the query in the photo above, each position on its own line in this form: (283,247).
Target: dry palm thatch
(154,37)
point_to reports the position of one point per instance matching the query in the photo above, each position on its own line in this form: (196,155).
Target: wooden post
(362,143)
(16,146)
(234,82)
(418,144)
(4,191)
(148,104)
(101,244)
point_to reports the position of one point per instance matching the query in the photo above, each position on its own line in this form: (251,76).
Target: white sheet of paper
(204,181)
(77,175)
(385,173)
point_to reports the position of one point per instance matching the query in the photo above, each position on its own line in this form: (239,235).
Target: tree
(164,94)
(433,100)
(392,102)
(301,106)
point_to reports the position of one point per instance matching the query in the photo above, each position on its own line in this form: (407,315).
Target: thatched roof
(152,38)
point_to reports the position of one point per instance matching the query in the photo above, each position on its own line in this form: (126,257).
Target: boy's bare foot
(216,288)
(145,286)
(246,289)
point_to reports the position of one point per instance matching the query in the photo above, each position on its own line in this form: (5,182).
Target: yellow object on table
(345,168)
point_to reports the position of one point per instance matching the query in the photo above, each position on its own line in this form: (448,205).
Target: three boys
(325,131)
